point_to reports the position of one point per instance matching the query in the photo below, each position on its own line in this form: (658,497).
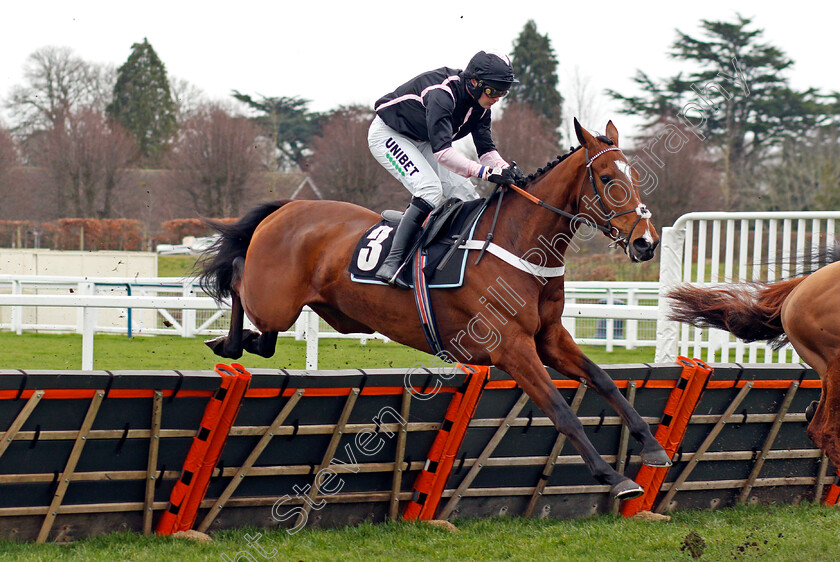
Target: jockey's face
(485,100)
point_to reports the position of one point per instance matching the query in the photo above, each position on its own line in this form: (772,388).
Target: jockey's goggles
(493,92)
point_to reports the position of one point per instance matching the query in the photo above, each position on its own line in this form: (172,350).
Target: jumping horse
(804,311)
(282,256)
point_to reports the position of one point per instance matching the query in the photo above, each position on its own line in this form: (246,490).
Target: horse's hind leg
(231,345)
(560,352)
(824,429)
(239,339)
(262,344)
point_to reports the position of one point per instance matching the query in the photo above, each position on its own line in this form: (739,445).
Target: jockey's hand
(520,179)
(503,176)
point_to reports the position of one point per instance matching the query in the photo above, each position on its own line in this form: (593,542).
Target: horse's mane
(560,157)
(552,164)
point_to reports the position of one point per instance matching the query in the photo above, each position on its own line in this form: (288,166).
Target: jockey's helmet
(492,71)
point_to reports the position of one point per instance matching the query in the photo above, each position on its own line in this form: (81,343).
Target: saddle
(442,229)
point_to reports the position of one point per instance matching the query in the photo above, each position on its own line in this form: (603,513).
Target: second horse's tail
(749,311)
(216,263)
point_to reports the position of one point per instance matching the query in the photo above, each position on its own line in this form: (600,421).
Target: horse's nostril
(641,245)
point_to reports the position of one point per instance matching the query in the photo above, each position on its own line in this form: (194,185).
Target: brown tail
(750,311)
(216,263)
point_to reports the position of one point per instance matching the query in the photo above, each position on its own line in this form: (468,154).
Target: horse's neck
(528,226)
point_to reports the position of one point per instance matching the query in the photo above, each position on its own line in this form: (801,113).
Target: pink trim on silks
(466,118)
(414,97)
(456,162)
(493,159)
(442,86)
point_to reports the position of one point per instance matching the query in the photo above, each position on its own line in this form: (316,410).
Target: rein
(610,230)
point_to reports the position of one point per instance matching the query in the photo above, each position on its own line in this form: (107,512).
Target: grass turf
(113,352)
(805,532)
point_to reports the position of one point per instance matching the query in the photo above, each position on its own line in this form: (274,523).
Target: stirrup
(393,279)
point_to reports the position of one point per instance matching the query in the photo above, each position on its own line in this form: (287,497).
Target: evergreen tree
(142,103)
(738,99)
(288,123)
(535,66)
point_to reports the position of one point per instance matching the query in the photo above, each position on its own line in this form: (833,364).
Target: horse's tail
(215,265)
(750,311)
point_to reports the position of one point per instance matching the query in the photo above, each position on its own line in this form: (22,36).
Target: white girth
(514,260)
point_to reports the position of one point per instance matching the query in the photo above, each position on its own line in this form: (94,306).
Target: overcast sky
(335,53)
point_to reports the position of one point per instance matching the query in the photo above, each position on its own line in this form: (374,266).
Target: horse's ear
(583,136)
(612,132)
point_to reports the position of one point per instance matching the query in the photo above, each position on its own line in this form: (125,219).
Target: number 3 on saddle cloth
(441,230)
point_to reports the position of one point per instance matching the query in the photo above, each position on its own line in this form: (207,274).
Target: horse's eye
(606,179)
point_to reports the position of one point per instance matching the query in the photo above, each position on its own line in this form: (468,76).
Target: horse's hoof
(658,458)
(627,490)
(811,410)
(217,345)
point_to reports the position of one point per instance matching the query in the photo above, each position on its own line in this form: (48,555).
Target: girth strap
(422,299)
(514,260)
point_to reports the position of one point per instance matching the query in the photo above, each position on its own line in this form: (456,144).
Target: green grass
(64,351)
(804,532)
(175,266)
(114,352)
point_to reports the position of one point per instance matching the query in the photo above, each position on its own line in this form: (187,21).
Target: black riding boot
(404,237)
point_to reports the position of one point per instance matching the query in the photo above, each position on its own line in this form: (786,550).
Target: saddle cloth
(439,233)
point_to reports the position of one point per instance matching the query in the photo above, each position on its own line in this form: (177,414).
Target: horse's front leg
(558,350)
(521,361)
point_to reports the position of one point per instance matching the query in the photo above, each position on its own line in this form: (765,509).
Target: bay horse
(282,256)
(804,311)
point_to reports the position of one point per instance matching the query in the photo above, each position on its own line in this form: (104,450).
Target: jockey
(412,134)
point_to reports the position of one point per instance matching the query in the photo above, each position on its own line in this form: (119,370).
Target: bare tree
(582,102)
(343,167)
(804,175)
(523,135)
(85,156)
(188,98)
(57,83)
(677,173)
(215,158)
(9,159)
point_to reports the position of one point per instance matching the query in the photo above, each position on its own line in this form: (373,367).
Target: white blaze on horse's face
(624,168)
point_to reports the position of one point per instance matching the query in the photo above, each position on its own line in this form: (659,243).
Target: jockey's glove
(506,176)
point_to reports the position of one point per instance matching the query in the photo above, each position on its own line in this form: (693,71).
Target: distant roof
(292,185)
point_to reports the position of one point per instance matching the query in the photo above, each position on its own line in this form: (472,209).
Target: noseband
(612,232)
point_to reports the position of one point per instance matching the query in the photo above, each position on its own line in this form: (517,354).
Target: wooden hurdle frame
(85,453)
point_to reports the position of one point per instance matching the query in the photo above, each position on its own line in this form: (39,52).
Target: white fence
(700,248)
(708,248)
(608,313)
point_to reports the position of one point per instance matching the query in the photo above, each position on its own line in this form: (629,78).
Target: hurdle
(90,452)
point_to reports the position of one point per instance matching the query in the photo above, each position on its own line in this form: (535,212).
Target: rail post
(89,317)
(670,275)
(17,311)
(311,335)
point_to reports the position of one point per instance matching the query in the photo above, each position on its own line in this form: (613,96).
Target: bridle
(612,232)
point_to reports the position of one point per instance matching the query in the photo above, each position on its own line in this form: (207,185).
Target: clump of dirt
(192,536)
(651,516)
(443,524)
(694,544)
(747,548)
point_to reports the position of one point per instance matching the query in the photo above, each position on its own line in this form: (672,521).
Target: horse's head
(610,196)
